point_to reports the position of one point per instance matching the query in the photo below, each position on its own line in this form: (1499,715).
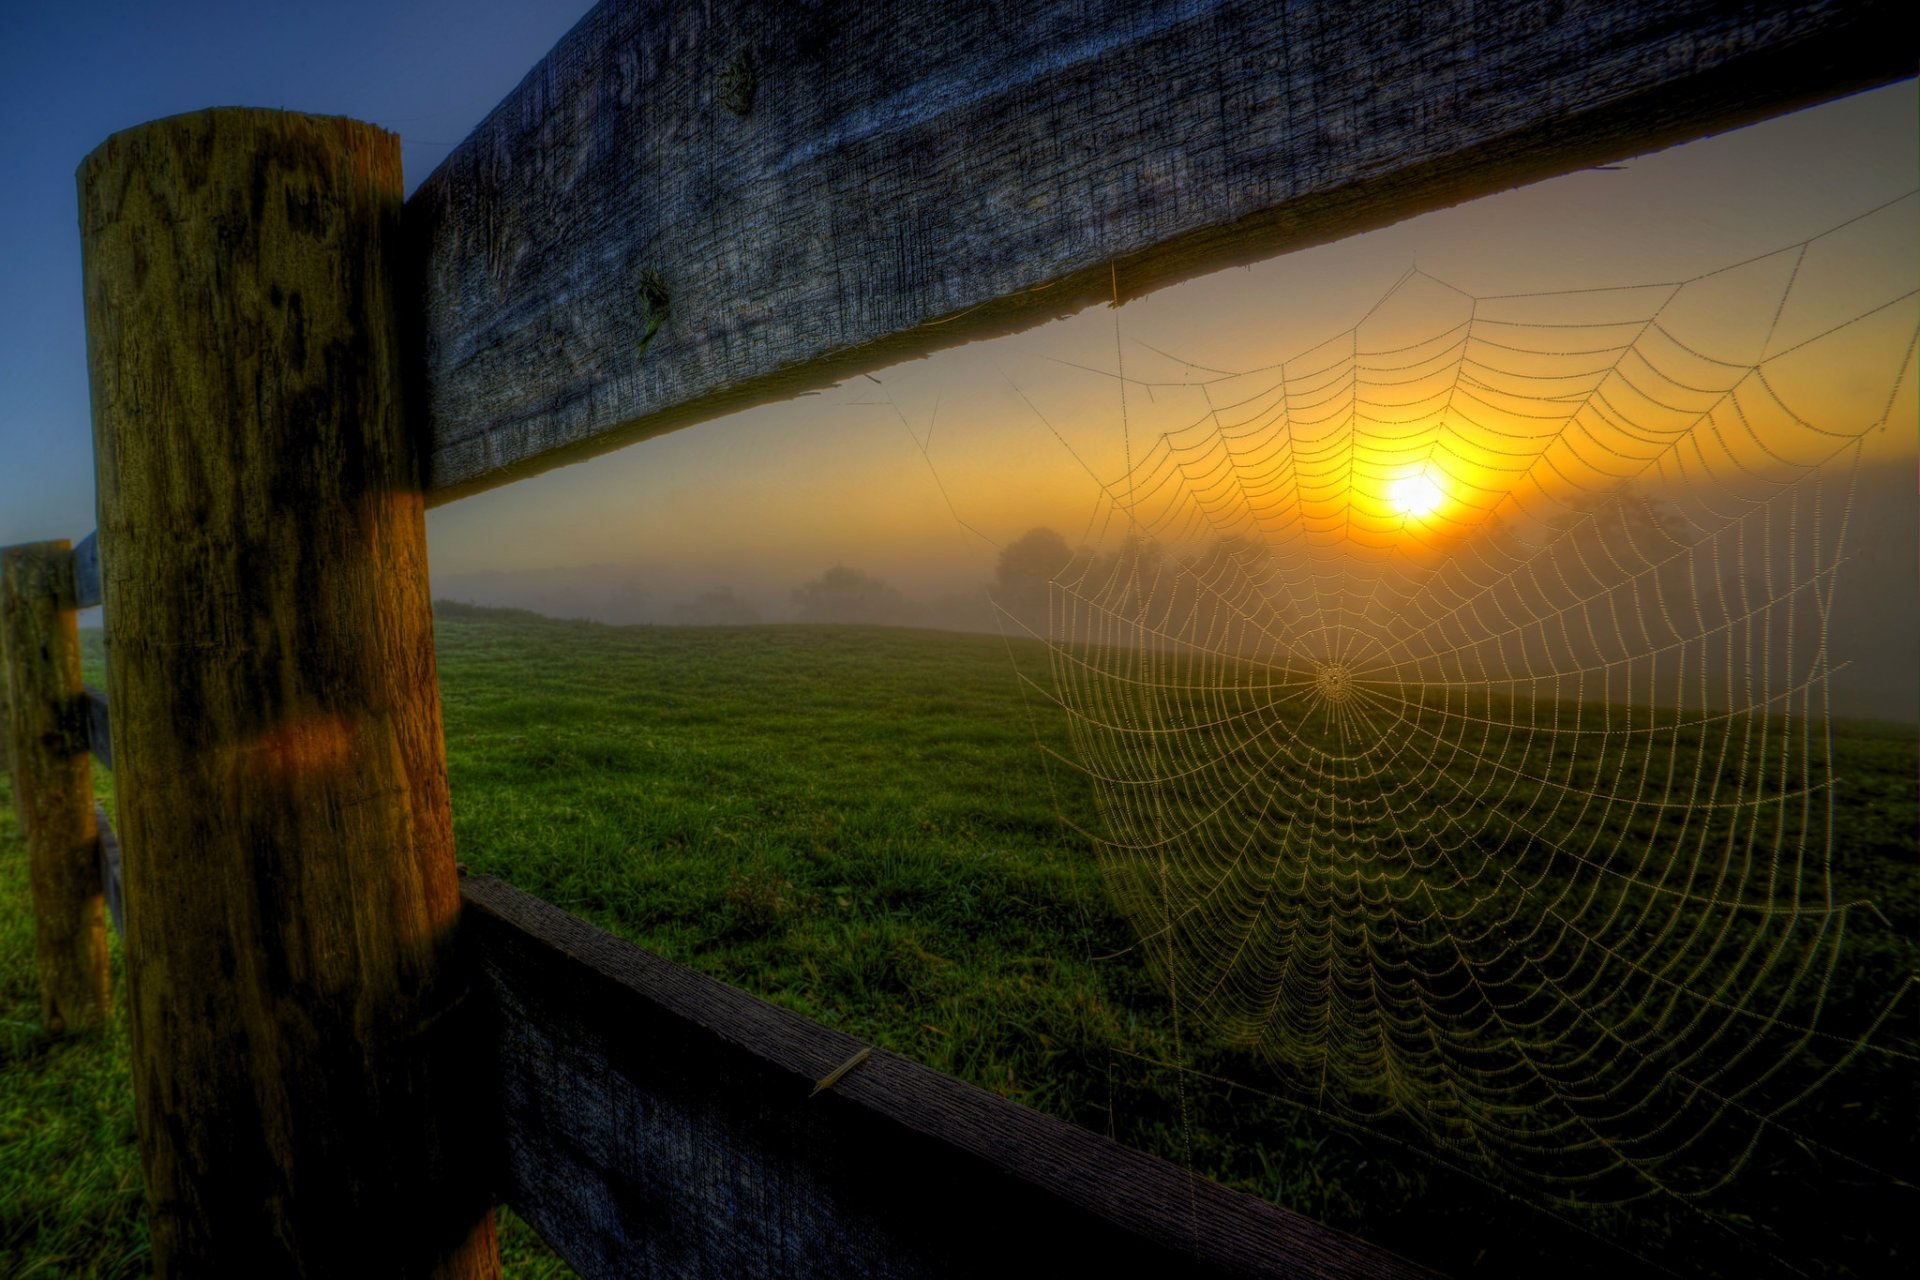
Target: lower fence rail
(655,1121)
(659,1122)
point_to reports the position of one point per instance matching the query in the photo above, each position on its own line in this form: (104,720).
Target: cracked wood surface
(657,1122)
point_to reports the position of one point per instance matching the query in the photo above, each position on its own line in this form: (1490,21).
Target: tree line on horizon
(1630,578)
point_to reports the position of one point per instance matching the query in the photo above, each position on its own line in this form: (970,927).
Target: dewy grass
(861,824)
(71,1201)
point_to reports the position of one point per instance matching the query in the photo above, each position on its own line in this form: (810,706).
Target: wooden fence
(650,1120)
(683,209)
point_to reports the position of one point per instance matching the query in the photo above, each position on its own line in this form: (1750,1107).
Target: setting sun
(1417,496)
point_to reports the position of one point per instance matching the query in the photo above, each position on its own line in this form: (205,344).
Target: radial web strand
(1456,699)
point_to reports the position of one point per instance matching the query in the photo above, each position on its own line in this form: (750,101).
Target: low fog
(1872,632)
(654,595)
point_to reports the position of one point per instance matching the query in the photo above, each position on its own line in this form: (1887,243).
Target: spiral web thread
(1455,699)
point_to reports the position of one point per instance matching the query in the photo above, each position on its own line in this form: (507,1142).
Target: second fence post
(53,782)
(292,900)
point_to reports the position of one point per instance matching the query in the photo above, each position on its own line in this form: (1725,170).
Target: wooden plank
(619,249)
(110,871)
(300,1058)
(53,783)
(657,1122)
(99,728)
(86,572)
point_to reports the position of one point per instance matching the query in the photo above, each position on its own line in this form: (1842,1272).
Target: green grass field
(859,824)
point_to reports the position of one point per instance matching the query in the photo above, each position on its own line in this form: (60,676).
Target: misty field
(867,825)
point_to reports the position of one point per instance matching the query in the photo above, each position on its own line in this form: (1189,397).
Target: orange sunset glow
(1418,495)
(1453,389)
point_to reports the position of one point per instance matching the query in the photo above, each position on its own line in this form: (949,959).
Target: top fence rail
(683,211)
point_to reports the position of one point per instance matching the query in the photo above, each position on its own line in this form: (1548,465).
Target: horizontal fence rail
(682,211)
(659,1122)
(655,1120)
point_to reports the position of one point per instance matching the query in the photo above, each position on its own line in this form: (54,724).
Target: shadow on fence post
(300,1026)
(53,783)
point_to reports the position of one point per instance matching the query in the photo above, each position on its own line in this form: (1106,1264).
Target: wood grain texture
(910,176)
(657,1122)
(299,1016)
(54,783)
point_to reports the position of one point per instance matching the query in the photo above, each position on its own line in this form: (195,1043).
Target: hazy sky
(769,497)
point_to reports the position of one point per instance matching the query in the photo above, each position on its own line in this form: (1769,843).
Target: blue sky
(72,74)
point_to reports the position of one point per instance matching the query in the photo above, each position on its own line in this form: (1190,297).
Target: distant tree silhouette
(1612,587)
(1021,574)
(842,594)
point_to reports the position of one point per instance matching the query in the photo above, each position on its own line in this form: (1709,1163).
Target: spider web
(1456,699)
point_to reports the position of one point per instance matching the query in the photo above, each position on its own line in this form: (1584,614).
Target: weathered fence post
(53,783)
(291,892)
